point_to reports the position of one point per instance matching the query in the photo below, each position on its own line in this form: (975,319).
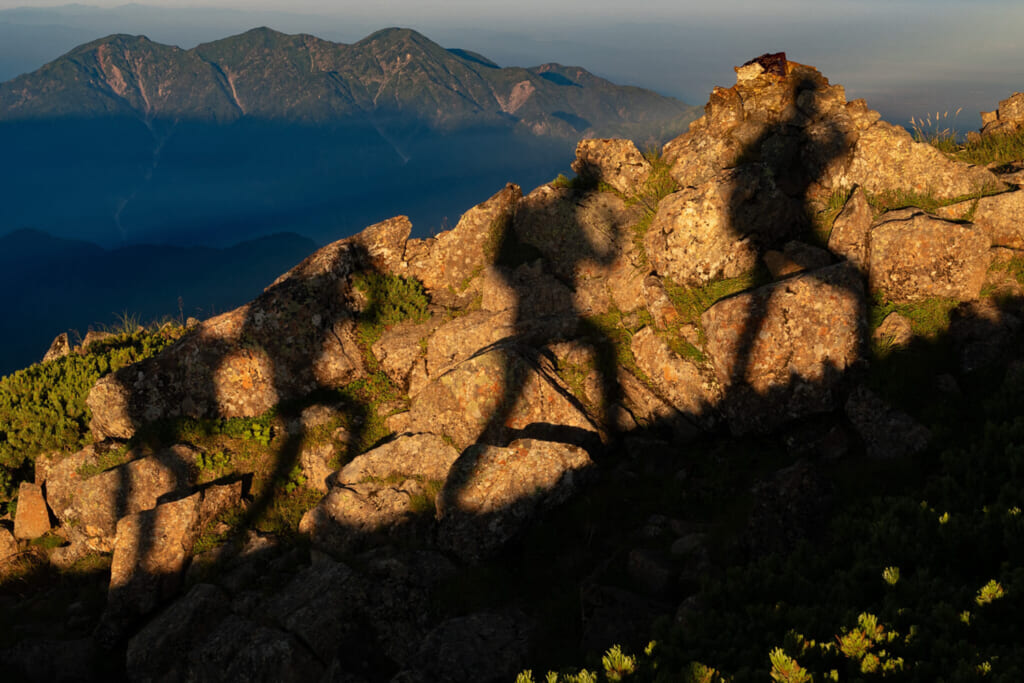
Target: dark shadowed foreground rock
(485,647)
(387,491)
(886,431)
(780,350)
(493,492)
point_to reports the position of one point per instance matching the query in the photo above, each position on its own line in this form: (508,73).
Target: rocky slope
(445,400)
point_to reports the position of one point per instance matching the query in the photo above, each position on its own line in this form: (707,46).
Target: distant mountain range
(126,140)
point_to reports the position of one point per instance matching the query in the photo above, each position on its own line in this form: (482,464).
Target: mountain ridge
(393,70)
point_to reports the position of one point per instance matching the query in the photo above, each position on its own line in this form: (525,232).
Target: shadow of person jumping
(559,239)
(782,349)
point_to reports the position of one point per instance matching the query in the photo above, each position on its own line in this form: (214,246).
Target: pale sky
(906,57)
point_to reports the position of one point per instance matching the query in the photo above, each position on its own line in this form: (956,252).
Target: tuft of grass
(928,319)
(993,149)
(901,199)
(691,302)
(938,132)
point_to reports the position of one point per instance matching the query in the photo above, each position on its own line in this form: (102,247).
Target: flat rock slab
(779,350)
(493,492)
(915,257)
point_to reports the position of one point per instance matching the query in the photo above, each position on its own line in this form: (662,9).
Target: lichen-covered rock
(32,519)
(418,455)
(493,492)
(687,387)
(502,392)
(8,545)
(616,162)
(401,351)
(93,505)
(151,552)
(1001,217)
(296,337)
(779,351)
(446,264)
(914,256)
(718,229)
(895,331)
(851,229)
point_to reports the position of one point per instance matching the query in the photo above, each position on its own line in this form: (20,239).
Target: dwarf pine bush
(42,407)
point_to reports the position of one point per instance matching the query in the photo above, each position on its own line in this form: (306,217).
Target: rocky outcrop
(586,332)
(811,141)
(1007,119)
(296,337)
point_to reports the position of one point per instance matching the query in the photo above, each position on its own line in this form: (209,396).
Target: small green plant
(785,669)
(990,592)
(390,299)
(891,575)
(213,462)
(617,665)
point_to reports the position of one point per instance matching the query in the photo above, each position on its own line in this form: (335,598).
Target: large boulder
(886,159)
(493,492)
(914,256)
(780,351)
(500,393)
(92,505)
(296,337)
(851,230)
